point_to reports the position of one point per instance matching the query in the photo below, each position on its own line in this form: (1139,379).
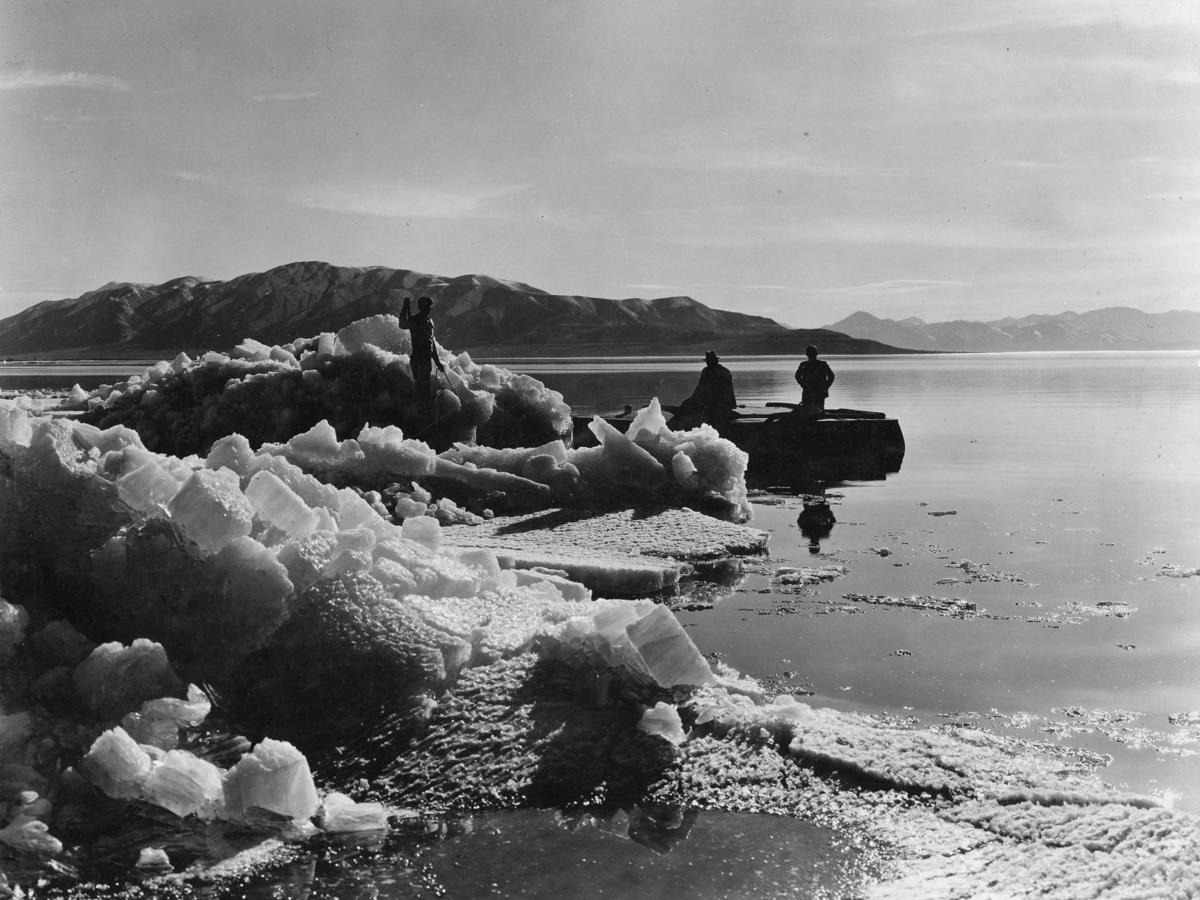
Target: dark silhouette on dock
(815,378)
(712,401)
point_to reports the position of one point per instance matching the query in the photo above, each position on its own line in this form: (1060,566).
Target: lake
(1071,482)
(1047,512)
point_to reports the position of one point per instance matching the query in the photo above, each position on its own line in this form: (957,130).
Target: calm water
(1074,477)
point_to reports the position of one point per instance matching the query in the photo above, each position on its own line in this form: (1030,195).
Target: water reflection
(816,520)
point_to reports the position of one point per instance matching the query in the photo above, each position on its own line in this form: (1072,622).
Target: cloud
(1063,14)
(29,78)
(710,285)
(654,287)
(285,96)
(398,200)
(744,287)
(895,286)
(695,156)
(197,177)
(994,236)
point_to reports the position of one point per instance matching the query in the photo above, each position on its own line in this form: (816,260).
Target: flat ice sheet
(678,534)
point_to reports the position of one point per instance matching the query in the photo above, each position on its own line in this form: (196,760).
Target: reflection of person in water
(814,377)
(660,828)
(713,400)
(816,521)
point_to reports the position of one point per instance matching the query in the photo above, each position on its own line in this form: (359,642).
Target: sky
(800,160)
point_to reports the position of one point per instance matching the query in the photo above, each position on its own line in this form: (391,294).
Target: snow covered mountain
(1112,328)
(473,312)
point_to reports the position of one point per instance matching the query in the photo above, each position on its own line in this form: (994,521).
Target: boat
(795,446)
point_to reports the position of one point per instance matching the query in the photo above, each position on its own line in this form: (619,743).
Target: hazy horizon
(797,161)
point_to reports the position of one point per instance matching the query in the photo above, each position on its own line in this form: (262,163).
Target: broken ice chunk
(186,785)
(159,721)
(564,586)
(153,858)
(15,730)
(273,776)
(115,678)
(147,488)
(319,444)
(253,599)
(211,509)
(277,504)
(60,642)
(383,331)
(424,530)
(231,452)
(116,764)
(341,814)
(13,622)
(663,720)
(682,466)
(667,650)
(31,836)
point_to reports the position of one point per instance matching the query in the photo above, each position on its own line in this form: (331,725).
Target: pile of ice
(210,557)
(649,465)
(357,376)
(246,571)
(650,461)
(77,690)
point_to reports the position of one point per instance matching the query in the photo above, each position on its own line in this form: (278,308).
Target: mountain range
(1112,328)
(487,316)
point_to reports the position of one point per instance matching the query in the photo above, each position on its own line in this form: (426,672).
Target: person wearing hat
(424,354)
(814,377)
(713,400)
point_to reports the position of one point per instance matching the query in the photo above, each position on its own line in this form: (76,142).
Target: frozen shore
(424,667)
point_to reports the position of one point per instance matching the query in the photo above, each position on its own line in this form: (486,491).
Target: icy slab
(15,730)
(603,575)
(159,721)
(666,649)
(340,814)
(662,720)
(650,464)
(115,678)
(13,623)
(117,764)
(273,776)
(568,588)
(672,533)
(211,509)
(277,504)
(29,835)
(153,858)
(148,486)
(185,785)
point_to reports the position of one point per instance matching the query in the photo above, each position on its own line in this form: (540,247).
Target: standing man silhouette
(424,350)
(814,377)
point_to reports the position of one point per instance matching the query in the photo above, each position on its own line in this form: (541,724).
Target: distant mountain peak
(1111,328)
